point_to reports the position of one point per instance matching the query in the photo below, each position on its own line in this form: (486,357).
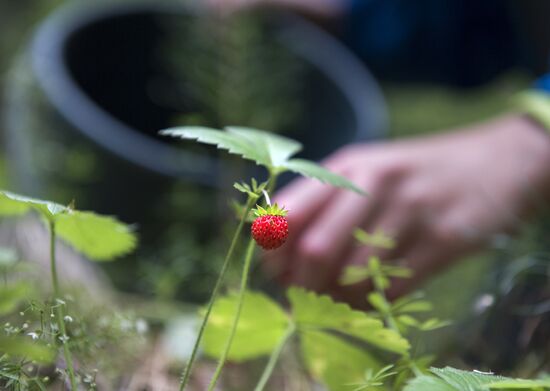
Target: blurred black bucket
(81,125)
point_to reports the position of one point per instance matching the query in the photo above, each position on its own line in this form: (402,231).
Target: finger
(324,243)
(302,198)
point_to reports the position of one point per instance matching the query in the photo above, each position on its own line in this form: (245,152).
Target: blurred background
(126,69)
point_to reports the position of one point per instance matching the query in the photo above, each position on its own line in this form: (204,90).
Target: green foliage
(377,239)
(98,237)
(261,326)
(12,295)
(266,149)
(333,361)
(374,379)
(450,379)
(377,271)
(25,347)
(311,311)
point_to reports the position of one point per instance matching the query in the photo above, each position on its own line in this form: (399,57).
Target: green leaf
(520,384)
(278,149)
(428,383)
(100,238)
(313,170)
(311,311)
(12,204)
(12,295)
(264,148)
(451,379)
(261,326)
(354,274)
(25,347)
(334,362)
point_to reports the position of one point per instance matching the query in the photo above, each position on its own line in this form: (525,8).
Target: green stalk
(244,281)
(215,292)
(59,309)
(274,358)
(392,324)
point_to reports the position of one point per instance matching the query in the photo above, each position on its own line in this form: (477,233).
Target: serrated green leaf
(261,326)
(264,148)
(277,148)
(232,143)
(25,347)
(451,379)
(465,380)
(428,383)
(311,311)
(334,362)
(100,238)
(12,295)
(12,204)
(520,384)
(313,170)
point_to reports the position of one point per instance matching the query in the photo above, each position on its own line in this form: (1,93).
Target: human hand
(439,197)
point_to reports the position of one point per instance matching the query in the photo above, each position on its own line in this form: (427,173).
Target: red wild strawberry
(270,229)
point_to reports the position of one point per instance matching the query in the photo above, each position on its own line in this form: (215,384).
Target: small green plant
(341,347)
(275,154)
(98,237)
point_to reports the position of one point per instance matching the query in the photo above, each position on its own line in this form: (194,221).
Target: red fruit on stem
(270,229)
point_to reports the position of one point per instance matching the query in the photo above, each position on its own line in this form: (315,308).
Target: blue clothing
(456,42)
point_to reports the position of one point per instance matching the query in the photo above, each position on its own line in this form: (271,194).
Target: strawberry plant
(100,238)
(343,348)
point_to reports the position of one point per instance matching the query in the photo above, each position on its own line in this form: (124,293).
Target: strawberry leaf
(311,311)
(313,170)
(264,148)
(261,326)
(336,363)
(98,237)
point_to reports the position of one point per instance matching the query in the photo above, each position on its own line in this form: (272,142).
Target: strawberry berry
(270,229)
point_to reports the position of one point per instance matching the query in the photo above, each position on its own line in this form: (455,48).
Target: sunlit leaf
(334,362)
(321,312)
(100,238)
(261,326)
(12,295)
(25,347)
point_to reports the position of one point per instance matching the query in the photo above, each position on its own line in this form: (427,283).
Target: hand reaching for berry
(439,197)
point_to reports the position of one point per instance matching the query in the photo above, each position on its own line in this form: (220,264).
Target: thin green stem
(59,310)
(392,324)
(274,358)
(242,289)
(187,373)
